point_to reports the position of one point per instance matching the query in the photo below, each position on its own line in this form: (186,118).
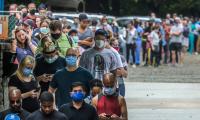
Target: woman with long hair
(25,81)
(25,45)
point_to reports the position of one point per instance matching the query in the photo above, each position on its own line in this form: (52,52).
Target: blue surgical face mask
(77,96)
(51,59)
(71,61)
(109,90)
(44,30)
(27,72)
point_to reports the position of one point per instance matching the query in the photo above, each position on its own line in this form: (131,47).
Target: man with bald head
(109,104)
(64,78)
(15,111)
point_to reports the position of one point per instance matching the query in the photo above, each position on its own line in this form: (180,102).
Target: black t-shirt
(86,112)
(23,114)
(38,115)
(42,67)
(63,79)
(30,104)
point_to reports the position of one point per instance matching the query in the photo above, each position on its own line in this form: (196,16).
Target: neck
(98,49)
(71,69)
(77,105)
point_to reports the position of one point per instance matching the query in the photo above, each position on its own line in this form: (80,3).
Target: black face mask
(55,36)
(24,15)
(32,11)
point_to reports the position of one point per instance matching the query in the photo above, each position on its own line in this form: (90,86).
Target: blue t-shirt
(63,79)
(23,52)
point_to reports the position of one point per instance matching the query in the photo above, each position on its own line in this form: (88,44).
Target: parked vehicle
(123,21)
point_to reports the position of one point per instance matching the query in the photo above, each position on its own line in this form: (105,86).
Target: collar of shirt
(72,106)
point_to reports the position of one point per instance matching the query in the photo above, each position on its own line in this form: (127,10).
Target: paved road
(163,101)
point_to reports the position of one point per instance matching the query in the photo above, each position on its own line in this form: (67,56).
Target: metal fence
(12,20)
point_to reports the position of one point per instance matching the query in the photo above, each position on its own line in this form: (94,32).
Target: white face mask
(100,43)
(75,39)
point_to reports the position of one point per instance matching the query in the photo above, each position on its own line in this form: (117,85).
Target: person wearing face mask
(105,26)
(123,72)
(49,59)
(32,11)
(47,111)
(73,34)
(15,111)
(59,38)
(78,109)
(64,78)
(24,80)
(99,60)
(96,88)
(109,104)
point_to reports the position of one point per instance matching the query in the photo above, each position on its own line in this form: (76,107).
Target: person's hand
(115,117)
(88,39)
(44,78)
(49,77)
(102,116)
(13,46)
(28,36)
(119,72)
(33,94)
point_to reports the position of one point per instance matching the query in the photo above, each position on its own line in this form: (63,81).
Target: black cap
(72,31)
(42,6)
(101,32)
(83,16)
(29,22)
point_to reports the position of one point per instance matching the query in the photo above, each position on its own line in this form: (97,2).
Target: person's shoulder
(39,59)
(34,115)
(88,50)
(63,70)
(4,113)
(65,106)
(88,106)
(26,113)
(60,115)
(83,70)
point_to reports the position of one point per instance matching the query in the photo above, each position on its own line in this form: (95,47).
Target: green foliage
(160,7)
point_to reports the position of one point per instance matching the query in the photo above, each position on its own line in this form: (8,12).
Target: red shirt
(109,105)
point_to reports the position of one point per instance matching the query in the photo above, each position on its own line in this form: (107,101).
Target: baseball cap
(42,6)
(101,32)
(49,48)
(72,31)
(29,22)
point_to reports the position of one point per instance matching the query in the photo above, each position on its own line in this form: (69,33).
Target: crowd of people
(62,72)
(161,42)
(58,71)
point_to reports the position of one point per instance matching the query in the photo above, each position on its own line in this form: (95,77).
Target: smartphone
(108,116)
